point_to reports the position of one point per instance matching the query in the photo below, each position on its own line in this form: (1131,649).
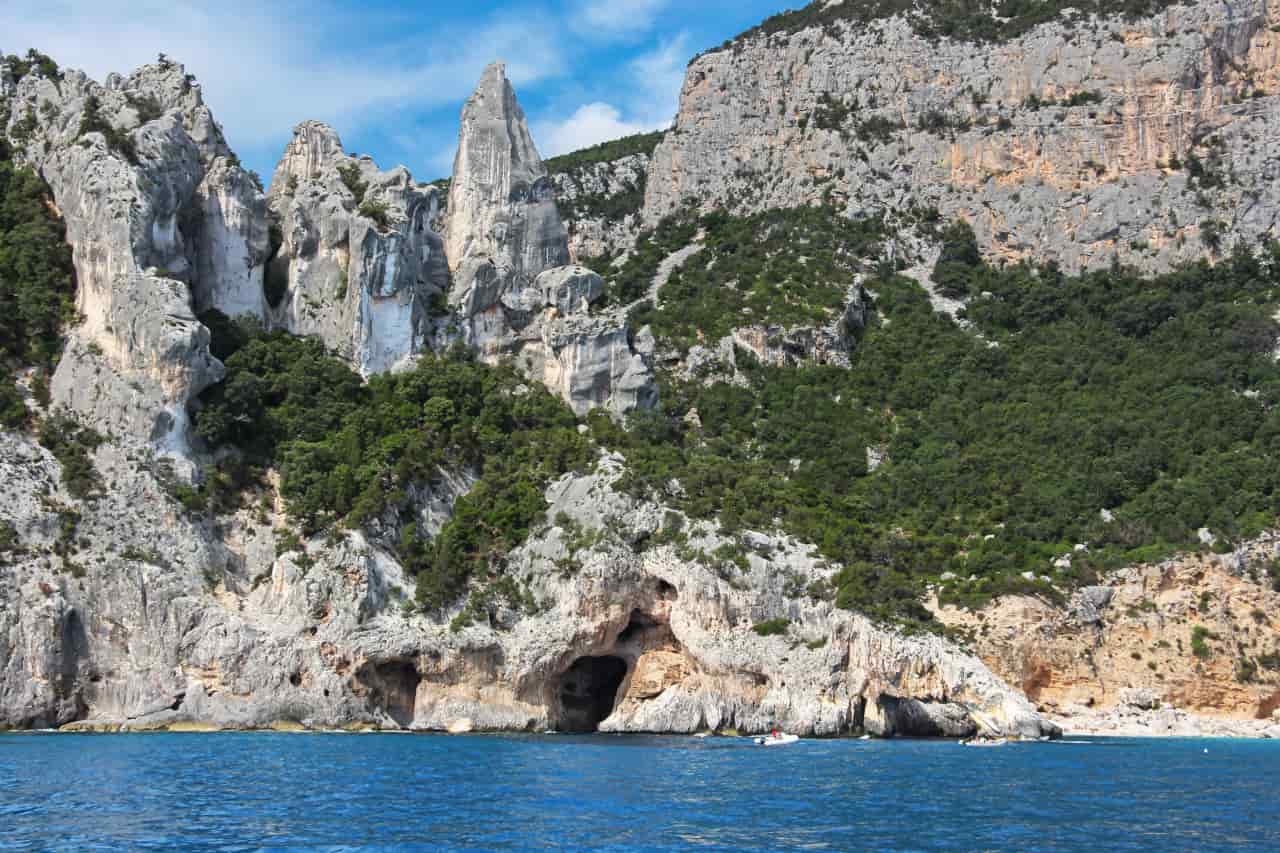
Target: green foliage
(37,279)
(781,267)
(771,627)
(958,262)
(1106,390)
(146,106)
(13,409)
(347,452)
(611,207)
(71,444)
(1200,637)
(605,152)
(33,63)
(964,20)
(351,179)
(378,211)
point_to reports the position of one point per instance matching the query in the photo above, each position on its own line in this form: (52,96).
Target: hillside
(757,420)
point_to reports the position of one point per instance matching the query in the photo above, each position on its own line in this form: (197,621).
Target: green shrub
(378,212)
(1200,636)
(71,443)
(605,152)
(352,180)
(771,627)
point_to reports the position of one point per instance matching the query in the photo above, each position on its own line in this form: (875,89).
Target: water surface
(365,791)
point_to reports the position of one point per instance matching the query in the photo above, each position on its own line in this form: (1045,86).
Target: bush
(771,627)
(37,279)
(352,180)
(1200,636)
(71,444)
(377,211)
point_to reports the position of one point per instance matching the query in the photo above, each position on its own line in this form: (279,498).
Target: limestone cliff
(137,624)
(358,264)
(515,295)
(601,204)
(1081,141)
(134,165)
(1195,634)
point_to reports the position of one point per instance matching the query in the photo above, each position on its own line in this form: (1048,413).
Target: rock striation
(357,262)
(133,165)
(1085,141)
(514,294)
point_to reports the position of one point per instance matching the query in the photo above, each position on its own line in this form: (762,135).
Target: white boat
(780,740)
(984,742)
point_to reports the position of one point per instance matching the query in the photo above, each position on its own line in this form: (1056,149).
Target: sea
(277,791)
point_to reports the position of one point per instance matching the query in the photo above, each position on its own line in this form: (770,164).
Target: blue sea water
(423,792)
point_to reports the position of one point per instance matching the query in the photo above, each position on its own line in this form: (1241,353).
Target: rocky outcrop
(152,205)
(1149,141)
(601,204)
(358,264)
(515,296)
(124,622)
(1196,635)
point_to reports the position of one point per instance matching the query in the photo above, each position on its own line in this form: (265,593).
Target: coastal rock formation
(126,163)
(509,254)
(1151,141)
(136,625)
(358,264)
(1195,634)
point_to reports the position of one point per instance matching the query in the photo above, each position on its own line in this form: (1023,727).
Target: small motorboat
(770,740)
(984,741)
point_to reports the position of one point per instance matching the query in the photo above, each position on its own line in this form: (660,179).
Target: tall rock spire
(502,211)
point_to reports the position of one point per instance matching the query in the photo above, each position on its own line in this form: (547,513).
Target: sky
(390,76)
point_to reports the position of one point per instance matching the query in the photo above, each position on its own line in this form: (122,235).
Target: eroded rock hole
(638,624)
(394,689)
(588,692)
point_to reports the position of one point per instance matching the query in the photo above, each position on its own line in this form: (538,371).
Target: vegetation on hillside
(605,152)
(37,280)
(1154,398)
(780,267)
(608,206)
(964,20)
(347,452)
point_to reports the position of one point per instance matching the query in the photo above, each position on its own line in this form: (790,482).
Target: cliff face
(134,165)
(358,264)
(515,295)
(1083,142)
(1197,633)
(177,624)
(601,204)
(125,612)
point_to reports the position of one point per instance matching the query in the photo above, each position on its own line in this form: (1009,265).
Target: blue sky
(392,76)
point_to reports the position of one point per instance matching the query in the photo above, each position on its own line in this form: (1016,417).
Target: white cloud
(589,124)
(658,77)
(651,94)
(615,19)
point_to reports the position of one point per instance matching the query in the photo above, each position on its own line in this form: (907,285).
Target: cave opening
(589,691)
(394,687)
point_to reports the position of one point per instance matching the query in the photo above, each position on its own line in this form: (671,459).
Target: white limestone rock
(364,287)
(515,295)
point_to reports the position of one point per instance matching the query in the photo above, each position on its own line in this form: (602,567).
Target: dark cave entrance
(588,692)
(394,688)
